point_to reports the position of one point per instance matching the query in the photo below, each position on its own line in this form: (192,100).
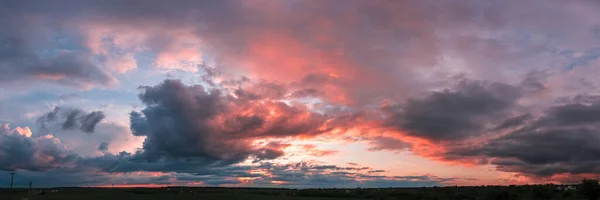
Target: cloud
(21,60)
(293,175)
(48,162)
(89,121)
(358,54)
(314,61)
(118,136)
(19,150)
(309,149)
(103,147)
(387,143)
(454,114)
(182,121)
(559,142)
(563,140)
(478,123)
(365,38)
(72,118)
(515,121)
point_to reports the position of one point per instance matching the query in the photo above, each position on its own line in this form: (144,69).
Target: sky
(299,93)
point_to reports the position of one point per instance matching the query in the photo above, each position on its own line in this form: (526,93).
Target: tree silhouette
(590,189)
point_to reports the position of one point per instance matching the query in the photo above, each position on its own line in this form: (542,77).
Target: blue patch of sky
(60,42)
(35,97)
(588,57)
(120,96)
(145,59)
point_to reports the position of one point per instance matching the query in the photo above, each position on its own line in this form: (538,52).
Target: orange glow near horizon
(134,186)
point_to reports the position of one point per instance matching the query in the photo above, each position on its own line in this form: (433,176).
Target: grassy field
(160,193)
(124,196)
(588,190)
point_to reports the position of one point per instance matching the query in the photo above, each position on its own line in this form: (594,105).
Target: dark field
(586,191)
(160,193)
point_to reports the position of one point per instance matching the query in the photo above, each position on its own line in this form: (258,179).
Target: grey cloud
(454,114)
(380,48)
(534,82)
(118,136)
(68,169)
(229,28)
(268,154)
(513,122)
(193,122)
(292,175)
(387,143)
(82,177)
(103,147)
(19,61)
(41,153)
(72,118)
(89,121)
(548,152)
(176,124)
(562,140)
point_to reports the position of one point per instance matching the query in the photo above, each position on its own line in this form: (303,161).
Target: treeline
(587,190)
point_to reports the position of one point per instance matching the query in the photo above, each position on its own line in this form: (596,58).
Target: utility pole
(12,175)
(29,194)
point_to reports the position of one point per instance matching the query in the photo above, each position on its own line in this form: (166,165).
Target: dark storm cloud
(69,118)
(547,152)
(268,154)
(125,162)
(515,121)
(89,121)
(564,139)
(176,123)
(193,122)
(454,114)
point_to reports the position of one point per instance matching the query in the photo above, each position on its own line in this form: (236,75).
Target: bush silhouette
(590,189)
(542,192)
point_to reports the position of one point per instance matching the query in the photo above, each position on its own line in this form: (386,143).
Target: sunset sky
(299,93)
